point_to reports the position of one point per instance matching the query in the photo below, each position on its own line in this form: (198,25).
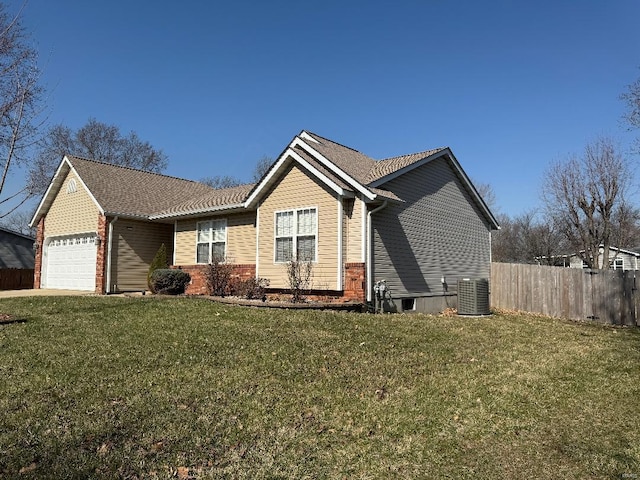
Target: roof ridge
(437,149)
(336,143)
(125,167)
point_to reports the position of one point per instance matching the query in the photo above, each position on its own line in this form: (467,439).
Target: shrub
(158,262)
(251,288)
(169,282)
(299,274)
(218,277)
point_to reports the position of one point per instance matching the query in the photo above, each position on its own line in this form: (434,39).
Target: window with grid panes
(296,231)
(211,241)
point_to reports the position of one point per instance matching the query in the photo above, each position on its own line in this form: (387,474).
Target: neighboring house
(16,260)
(415,221)
(619,259)
(16,250)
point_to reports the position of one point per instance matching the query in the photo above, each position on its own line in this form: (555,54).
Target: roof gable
(119,190)
(125,191)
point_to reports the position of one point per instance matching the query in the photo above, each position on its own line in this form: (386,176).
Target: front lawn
(112,387)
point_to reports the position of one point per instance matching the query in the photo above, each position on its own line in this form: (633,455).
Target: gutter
(198,212)
(370,248)
(109,245)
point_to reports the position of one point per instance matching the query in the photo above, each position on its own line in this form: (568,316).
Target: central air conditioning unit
(473,296)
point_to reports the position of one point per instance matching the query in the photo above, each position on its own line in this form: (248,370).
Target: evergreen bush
(158,262)
(168,281)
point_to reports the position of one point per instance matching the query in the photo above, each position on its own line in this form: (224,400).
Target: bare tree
(262,167)
(632,98)
(486,192)
(19,221)
(96,141)
(587,199)
(20,104)
(527,238)
(226,181)
(220,181)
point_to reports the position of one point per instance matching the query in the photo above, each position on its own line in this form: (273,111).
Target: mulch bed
(354,307)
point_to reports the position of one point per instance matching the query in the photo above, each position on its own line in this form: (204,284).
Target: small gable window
(211,241)
(295,235)
(72,187)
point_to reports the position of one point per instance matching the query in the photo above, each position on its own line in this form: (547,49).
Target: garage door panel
(71,263)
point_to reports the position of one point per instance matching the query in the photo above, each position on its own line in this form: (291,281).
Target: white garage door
(71,263)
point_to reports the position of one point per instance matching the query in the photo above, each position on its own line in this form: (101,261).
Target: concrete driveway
(41,292)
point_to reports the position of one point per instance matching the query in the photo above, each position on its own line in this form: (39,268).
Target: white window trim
(617,262)
(72,187)
(295,230)
(224,220)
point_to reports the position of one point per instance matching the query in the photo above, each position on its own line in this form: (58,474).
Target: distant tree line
(586,209)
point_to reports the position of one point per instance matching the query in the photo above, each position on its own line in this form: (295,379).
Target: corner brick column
(101,279)
(37,268)
(355,282)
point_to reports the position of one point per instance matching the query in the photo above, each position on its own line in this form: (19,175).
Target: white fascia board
(100,209)
(48,191)
(267,179)
(306,136)
(457,167)
(64,163)
(330,183)
(289,152)
(199,212)
(297,142)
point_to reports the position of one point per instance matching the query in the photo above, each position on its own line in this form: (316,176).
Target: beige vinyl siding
(135,244)
(353,230)
(437,232)
(71,212)
(241,239)
(298,189)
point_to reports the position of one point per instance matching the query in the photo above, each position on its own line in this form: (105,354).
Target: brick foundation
(354,282)
(198,285)
(37,269)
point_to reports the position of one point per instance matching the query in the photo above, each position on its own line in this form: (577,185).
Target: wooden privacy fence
(606,296)
(16,278)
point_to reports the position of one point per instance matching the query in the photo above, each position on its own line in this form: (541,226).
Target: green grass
(106,387)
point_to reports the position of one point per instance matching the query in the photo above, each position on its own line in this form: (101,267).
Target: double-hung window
(212,241)
(296,235)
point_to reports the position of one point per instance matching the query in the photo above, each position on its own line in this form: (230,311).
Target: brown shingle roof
(223,197)
(322,169)
(359,166)
(385,167)
(127,191)
(355,164)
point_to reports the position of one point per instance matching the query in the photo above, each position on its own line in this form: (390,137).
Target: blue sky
(508,85)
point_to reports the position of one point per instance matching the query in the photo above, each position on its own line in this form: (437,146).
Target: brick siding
(101,278)
(198,285)
(355,281)
(37,271)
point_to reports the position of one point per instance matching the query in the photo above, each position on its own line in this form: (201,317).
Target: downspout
(370,248)
(340,266)
(109,244)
